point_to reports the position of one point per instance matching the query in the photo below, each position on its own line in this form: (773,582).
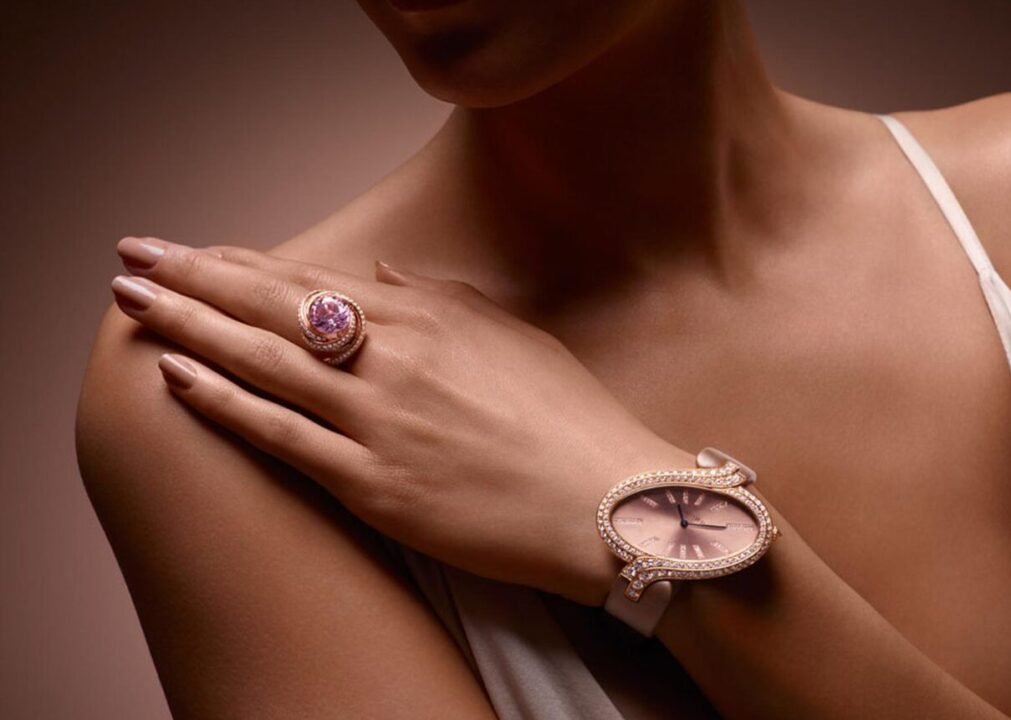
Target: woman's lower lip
(420,5)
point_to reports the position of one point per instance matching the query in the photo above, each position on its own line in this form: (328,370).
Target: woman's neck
(660,146)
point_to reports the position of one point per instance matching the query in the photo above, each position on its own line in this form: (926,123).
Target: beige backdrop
(243,122)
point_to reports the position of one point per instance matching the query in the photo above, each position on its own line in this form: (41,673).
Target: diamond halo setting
(332,324)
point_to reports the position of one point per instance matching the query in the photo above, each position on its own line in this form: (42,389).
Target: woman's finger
(300,273)
(309,275)
(465,292)
(258,356)
(333,460)
(314,276)
(257,297)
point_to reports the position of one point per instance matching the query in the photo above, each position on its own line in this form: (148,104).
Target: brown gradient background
(244,122)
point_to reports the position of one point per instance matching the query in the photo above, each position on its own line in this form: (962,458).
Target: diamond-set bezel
(335,351)
(644,569)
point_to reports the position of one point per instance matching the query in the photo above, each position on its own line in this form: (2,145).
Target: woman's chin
(495,53)
(486,76)
(473,82)
(475,91)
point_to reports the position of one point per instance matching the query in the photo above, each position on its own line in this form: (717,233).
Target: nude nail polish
(133,295)
(177,371)
(140,255)
(390,272)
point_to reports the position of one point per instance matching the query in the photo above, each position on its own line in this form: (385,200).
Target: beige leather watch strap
(645,614)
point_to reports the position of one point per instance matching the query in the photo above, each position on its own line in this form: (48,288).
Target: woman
(650,249)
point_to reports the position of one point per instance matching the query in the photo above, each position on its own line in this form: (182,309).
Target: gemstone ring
(333,325)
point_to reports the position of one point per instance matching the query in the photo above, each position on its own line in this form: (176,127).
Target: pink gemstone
(329,315)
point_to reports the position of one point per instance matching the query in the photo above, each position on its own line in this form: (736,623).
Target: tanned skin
(787,290)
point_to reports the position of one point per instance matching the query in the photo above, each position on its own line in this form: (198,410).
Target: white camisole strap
(995,290)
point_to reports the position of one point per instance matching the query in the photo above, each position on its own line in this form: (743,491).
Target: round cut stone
(330,315)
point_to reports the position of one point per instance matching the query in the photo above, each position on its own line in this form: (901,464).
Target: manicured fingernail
(390,271)
(140,254)
(177,371)
(133,294)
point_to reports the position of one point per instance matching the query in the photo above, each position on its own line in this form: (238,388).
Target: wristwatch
(674,525)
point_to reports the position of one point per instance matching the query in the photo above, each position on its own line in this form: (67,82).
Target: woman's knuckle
(427,319)
(268,293)
(179,317)
(267,354)
(315,278)
(227,252)
(405,359)
(189,263)
(280,430)
(221,398)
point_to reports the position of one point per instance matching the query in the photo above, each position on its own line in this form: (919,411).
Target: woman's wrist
(643,596)
(751,588)
(601,567)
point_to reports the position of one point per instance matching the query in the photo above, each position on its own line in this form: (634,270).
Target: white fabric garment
(529,668)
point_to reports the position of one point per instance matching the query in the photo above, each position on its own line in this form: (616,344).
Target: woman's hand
(457,429)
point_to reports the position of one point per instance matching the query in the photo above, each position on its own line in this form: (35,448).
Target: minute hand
(706,525)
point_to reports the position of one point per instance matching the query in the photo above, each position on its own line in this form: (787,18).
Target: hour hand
(707,525)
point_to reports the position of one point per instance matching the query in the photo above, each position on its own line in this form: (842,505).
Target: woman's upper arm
(258,594)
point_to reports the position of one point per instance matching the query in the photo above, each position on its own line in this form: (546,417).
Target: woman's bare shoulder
(380,223)
(971,144)
(121,386)
(241,568)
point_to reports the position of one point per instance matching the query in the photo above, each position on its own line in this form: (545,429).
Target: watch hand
(706,525)
(684,523)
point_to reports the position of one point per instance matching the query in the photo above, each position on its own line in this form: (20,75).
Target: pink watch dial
(685,523)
